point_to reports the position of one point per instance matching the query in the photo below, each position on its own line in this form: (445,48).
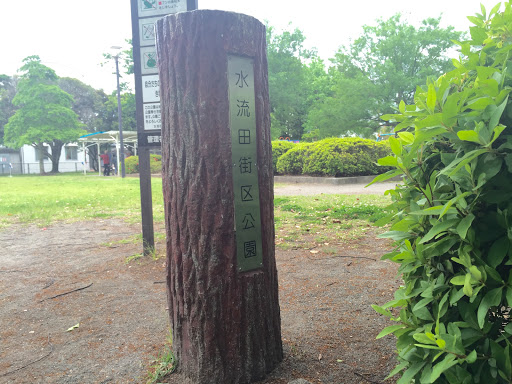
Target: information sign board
(161,7)
(152,117)
(150,89)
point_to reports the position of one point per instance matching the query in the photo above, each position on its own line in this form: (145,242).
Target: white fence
(33,168)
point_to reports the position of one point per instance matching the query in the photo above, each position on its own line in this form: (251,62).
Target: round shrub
(279,148)
(335,157)
(131,164)
(291,162)
(155,163)
(345,157)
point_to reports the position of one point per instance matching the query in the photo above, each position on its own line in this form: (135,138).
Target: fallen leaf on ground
(73,327)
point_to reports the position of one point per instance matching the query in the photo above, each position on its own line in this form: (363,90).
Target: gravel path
(328,189)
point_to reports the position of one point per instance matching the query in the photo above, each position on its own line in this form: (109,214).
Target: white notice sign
(150,89)
(152,118)
(149,8)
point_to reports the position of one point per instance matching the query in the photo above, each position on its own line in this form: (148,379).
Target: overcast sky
(71,36)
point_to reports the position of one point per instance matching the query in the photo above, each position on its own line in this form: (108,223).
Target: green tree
(287,80)
(87,103)
(381,68)
(127,97)
(347,111)
(8,86)
(44,113)
(127,112)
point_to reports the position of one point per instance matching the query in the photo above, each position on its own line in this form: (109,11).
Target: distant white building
(26,160)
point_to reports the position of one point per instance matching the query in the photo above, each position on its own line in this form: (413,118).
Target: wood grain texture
(226,325)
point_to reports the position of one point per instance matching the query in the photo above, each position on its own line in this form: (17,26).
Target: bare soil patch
(328,326)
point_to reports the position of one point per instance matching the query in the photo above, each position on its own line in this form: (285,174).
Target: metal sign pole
(147,96)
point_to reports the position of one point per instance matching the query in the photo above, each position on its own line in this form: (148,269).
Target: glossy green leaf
(443,365)
(491,299)
(471,358)
(508,296)
(441,343)
(431,97)
(498,251)
(464,225)
(457,164)
(388,161)
(397,369)
(467,289)
(453,201)
(386,331)
(381,310)
(407,137)
(468,136)
(424,339)
(475,272)
(440,227)
(410,372)
(422,303)
(495,118)
(386,176)
(396,147)
(401,106)
(481,103)
(458,280)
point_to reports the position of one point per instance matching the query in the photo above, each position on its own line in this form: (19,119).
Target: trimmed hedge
(334,157)
(279,148)
(131,164)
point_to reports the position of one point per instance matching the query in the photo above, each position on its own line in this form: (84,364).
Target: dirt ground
(75,274)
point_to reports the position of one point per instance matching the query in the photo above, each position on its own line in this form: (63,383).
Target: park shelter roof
(109,137)
(97,138)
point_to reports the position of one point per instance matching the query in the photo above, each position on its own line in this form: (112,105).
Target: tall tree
(87,103)
(127,111)
(398,57)
(8,86)
(382,67)
(287,81)
(44,113)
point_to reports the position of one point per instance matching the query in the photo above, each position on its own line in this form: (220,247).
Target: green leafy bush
(155,163)
(280,147)
(334,157)
(452,217)
(131,164)
(292,161)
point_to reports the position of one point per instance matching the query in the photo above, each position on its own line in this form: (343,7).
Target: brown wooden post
(218,195)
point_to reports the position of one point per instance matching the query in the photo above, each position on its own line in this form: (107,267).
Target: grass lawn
(43,200)
(309,220)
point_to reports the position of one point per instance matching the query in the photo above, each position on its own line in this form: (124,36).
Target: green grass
(163,365)
(309,221)
(314,209)
(73,197)
(43,200)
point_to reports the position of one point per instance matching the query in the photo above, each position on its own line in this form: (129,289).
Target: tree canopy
(44,113)
(364,80)
(8,86)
